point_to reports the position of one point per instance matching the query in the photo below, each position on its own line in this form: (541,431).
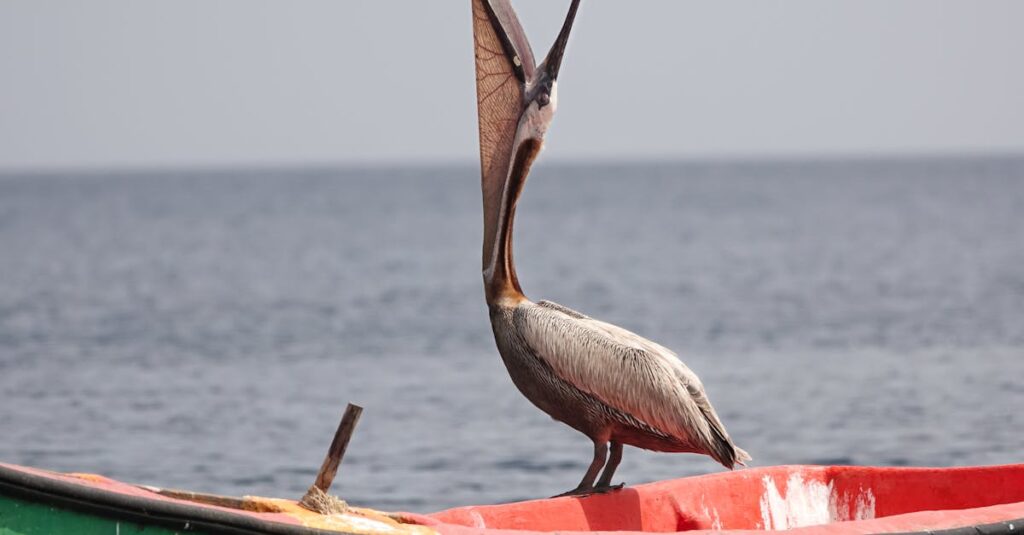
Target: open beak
(553,61)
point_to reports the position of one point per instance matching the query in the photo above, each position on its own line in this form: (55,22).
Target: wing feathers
(630,374)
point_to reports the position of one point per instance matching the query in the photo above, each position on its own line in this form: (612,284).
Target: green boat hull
(20,517)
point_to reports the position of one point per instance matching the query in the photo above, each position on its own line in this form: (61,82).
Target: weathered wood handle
(329,468)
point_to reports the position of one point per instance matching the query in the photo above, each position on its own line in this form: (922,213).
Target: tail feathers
(723,450)
(730,455)
(741,456)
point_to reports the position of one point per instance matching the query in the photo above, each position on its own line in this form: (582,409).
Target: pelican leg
(586,486)
(605,483)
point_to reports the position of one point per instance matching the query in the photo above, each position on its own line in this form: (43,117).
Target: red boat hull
(840,499)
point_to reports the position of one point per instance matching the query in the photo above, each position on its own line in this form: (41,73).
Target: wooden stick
(336,452)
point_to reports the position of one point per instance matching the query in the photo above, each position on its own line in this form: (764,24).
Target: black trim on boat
(173,515)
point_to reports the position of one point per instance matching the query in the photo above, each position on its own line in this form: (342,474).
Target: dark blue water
(205,330)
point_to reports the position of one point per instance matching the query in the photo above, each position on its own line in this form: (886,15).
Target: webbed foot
(583,492)
(604,489)
(578,491)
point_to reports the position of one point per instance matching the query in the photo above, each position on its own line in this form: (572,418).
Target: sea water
(204,330)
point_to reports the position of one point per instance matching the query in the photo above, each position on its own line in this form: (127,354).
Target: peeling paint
(478,519)
(812,503)
(711,514)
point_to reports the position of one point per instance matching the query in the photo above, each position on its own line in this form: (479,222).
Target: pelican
(613,386)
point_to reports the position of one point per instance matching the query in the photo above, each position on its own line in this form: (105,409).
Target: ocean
(205,329)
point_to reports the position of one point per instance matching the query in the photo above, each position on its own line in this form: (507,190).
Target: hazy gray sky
(202,82)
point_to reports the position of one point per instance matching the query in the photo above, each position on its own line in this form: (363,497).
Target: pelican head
(546,84)
(542,91)
(516,101)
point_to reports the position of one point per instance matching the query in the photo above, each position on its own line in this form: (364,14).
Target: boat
(803,499)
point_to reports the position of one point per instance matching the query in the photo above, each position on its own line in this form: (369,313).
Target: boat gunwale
(167,512)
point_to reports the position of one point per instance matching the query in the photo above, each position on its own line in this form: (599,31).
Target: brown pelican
(604,381)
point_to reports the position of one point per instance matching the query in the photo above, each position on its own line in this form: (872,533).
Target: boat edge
(84,498)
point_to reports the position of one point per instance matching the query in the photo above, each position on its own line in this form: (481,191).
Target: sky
(199,83)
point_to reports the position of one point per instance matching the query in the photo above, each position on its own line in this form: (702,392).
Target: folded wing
(630,374)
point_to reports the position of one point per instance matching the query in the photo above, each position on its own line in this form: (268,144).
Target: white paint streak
(812,503)
(864,507)
(711,514)
(358,524)
(478,520)
(805,504)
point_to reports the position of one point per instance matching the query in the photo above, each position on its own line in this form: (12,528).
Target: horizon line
(437,163)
